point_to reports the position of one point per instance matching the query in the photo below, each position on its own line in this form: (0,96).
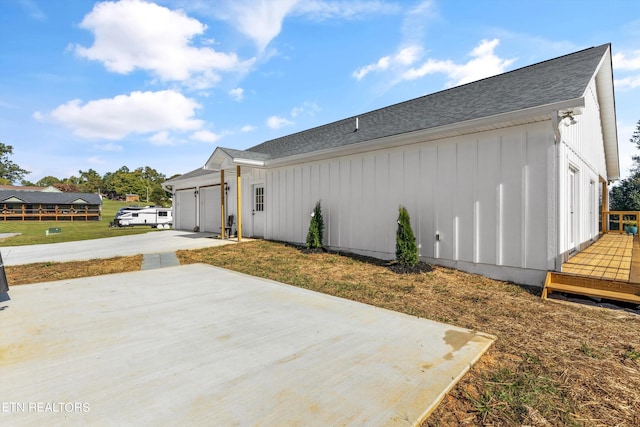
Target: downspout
(557,139)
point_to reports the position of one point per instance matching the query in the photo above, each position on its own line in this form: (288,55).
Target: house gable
(529,94)
(13,199)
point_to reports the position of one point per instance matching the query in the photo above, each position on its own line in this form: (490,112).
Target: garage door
(210,209)
(185,210)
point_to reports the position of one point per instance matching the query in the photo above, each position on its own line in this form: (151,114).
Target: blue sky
(101,85)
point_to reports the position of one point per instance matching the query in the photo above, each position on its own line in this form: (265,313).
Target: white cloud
(309,107)
(484,63)
(627,62)
(247,128)
(237,94)
(324,10)
(382,64)
(628,83)
(161,138)
(138,112)
(205,136)
(33,10)
(624,62)
(109,147)
(95,160)
(262,20)
(404,57)
(135,34)
(275,122)
(416,20)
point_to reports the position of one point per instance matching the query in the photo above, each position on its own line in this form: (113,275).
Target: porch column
(605,206)
(223,223)
(239,198)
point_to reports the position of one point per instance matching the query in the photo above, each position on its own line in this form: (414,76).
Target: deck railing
(49,213)
(617,221)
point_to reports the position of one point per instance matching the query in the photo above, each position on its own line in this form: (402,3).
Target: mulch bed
(420,267)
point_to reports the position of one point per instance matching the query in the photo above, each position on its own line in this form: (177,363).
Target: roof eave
(512,118)
(220,159)
(606,100)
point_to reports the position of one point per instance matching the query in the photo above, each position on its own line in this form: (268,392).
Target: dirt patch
(552,364)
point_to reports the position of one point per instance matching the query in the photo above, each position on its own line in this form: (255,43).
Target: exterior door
(573,214)
(258,210)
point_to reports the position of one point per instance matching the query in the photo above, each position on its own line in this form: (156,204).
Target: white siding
(582,149)
(485,196)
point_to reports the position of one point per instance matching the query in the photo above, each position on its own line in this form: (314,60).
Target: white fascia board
(191,182)
(247,162)
(606,99)
(535,114)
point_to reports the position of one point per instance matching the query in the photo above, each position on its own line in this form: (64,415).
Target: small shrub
(406,248)
(316,228)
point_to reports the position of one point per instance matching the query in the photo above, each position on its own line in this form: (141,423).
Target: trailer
(152,216)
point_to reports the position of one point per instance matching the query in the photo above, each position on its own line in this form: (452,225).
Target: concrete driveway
(148,243)
(200,345)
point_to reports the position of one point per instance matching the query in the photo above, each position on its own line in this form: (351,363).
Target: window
(162,213)
(135,215)
(259,199)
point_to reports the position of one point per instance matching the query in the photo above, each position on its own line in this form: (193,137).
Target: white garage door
(210,209)
(185,210)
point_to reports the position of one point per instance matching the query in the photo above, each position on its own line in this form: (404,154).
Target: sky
(161,83)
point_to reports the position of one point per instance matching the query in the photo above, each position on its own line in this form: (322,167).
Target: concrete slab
(167,259)
(199,345)
(147,243)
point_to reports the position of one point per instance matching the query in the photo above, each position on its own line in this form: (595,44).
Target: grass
(48,271)
(552,364)
(33,232)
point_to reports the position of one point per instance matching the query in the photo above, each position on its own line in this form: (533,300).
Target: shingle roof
(556,80)
(245,154)
(191,174)
(37,197)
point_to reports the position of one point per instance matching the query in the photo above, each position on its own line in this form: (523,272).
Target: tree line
(146,182)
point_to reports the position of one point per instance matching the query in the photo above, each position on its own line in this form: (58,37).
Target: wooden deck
(608,258)
(610,268)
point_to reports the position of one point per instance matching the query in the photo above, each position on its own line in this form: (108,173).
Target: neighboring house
(30,205)
(502,177)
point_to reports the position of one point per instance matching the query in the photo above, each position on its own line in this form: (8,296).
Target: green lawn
(33,232)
